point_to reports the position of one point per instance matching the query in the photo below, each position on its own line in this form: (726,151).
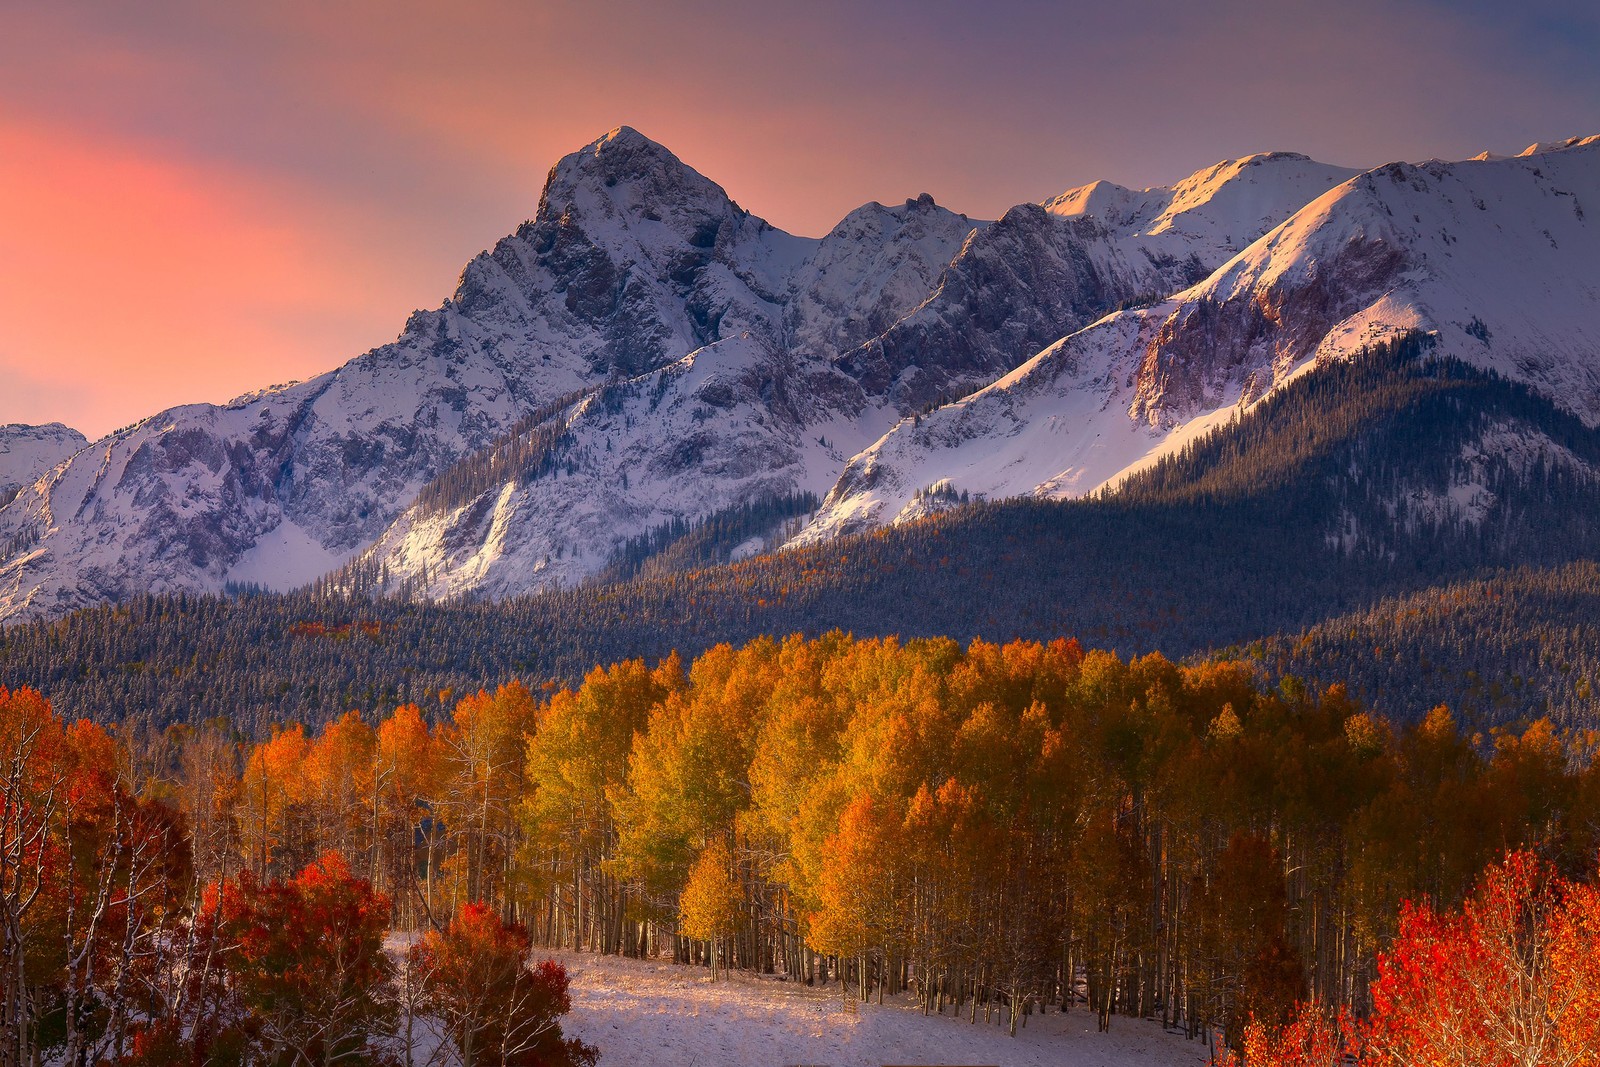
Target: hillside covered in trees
(977,811)
(1512,647)
(1344,488)
(999,830)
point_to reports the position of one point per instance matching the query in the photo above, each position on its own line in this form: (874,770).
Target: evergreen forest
(1318,534)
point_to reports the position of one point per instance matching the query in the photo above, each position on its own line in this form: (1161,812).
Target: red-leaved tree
(1475,987)
(1310,1039)
(299,967)
(499,1009)
(1512,979)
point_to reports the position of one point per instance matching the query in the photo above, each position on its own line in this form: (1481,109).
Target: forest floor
(649,1013)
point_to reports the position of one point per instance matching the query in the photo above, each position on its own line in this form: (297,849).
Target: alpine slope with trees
(1326,532)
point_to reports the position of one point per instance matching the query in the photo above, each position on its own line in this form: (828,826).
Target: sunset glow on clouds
(199,199)
(136,277)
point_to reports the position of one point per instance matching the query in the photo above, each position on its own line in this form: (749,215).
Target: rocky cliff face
(26,452)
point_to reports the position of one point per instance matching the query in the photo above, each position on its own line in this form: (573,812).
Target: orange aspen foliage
(338,786)
(274,776)
(407,759)
(857,886)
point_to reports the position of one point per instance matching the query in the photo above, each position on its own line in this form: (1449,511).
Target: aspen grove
(995,830)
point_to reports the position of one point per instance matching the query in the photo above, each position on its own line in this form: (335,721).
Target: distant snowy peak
(632,259)
(633,196)
(877,265)
(27,452)
(1500,259)
(1540,148)
(1214,213)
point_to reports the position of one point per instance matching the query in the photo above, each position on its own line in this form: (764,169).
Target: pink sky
(201,199)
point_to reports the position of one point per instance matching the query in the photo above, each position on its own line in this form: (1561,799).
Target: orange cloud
(146,282)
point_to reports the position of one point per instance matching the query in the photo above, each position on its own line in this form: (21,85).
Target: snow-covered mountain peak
(1496,259)
(1539,148)
(1535,149)
(630,181)
(625,227)
(1213,213)
(644,353)
(917,213)
(1248,194)
(876,265)
(1495,256)
(1114,205)
(26,452)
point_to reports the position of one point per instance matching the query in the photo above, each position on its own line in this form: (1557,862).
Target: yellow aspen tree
(708,909)
(485,746)
(339,789)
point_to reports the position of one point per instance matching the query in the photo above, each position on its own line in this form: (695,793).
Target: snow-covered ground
(655,1014)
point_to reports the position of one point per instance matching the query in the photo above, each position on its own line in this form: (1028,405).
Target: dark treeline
(1515,647)
(1341,499)
(692,544)
(998,830)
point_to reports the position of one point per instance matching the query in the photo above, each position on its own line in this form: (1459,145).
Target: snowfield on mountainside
(1496,258)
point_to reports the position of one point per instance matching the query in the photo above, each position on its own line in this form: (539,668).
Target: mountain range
(644,357)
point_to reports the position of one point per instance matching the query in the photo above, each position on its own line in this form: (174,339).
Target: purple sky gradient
(197,199)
